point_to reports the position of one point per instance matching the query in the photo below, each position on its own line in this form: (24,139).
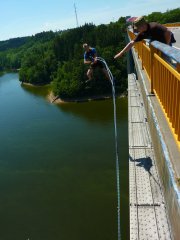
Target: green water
(57,167)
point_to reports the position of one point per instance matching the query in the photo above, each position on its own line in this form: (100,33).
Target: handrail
(167,50)
(164,78)
(177,24)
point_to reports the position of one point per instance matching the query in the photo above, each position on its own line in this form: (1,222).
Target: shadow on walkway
(147,164)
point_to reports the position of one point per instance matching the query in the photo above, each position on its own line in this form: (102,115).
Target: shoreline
(57,100)
(34,85)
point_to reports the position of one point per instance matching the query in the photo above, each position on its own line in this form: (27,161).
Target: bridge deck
(176,31)
(148,219)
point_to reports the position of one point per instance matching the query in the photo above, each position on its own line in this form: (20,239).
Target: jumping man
(90,57)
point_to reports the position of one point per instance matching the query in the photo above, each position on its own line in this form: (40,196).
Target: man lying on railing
(152,31)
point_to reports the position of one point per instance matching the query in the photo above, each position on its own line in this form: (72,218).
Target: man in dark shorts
(90,57)
(152,31)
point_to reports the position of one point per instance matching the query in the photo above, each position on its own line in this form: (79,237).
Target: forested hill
(169,16)
(13,43)
(28,41)
(13,51)
(57,57)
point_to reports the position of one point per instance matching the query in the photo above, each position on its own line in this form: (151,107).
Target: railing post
(142,59)
(138,49)
(178,67)
(152,51)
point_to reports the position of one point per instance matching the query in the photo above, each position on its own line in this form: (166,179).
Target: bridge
(154,139)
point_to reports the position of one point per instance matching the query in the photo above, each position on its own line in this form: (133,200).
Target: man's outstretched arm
(126,49)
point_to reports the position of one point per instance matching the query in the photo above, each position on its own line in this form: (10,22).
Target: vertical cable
(116,146)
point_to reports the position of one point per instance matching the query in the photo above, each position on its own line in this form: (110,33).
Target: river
(57,166)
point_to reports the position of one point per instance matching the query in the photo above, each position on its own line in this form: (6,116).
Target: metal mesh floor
(148,219)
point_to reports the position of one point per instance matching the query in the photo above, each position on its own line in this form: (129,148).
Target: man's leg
(90,73)
(106,73)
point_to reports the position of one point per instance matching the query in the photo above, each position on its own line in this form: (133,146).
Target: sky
(20,18)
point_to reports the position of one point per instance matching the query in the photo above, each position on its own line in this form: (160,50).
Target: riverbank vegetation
(57,57)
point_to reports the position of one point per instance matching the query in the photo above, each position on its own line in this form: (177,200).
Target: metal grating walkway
(148,219)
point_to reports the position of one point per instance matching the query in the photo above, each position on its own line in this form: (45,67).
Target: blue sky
(24,18)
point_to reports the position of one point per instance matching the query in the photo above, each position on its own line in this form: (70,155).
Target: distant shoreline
(33,85)
(57,100)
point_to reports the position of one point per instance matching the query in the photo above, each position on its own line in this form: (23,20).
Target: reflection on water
(36,90)
(57,167)
(97,111)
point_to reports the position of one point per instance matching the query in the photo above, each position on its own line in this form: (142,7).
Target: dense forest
(57,57)
(170,16)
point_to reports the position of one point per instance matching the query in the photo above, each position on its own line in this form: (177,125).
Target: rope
(116,144)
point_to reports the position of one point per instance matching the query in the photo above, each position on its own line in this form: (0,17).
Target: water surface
(57,167)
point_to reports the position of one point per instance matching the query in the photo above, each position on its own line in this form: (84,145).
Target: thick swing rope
(116,144)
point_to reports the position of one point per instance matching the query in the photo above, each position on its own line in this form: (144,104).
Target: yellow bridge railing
(164,79)
(177,24)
